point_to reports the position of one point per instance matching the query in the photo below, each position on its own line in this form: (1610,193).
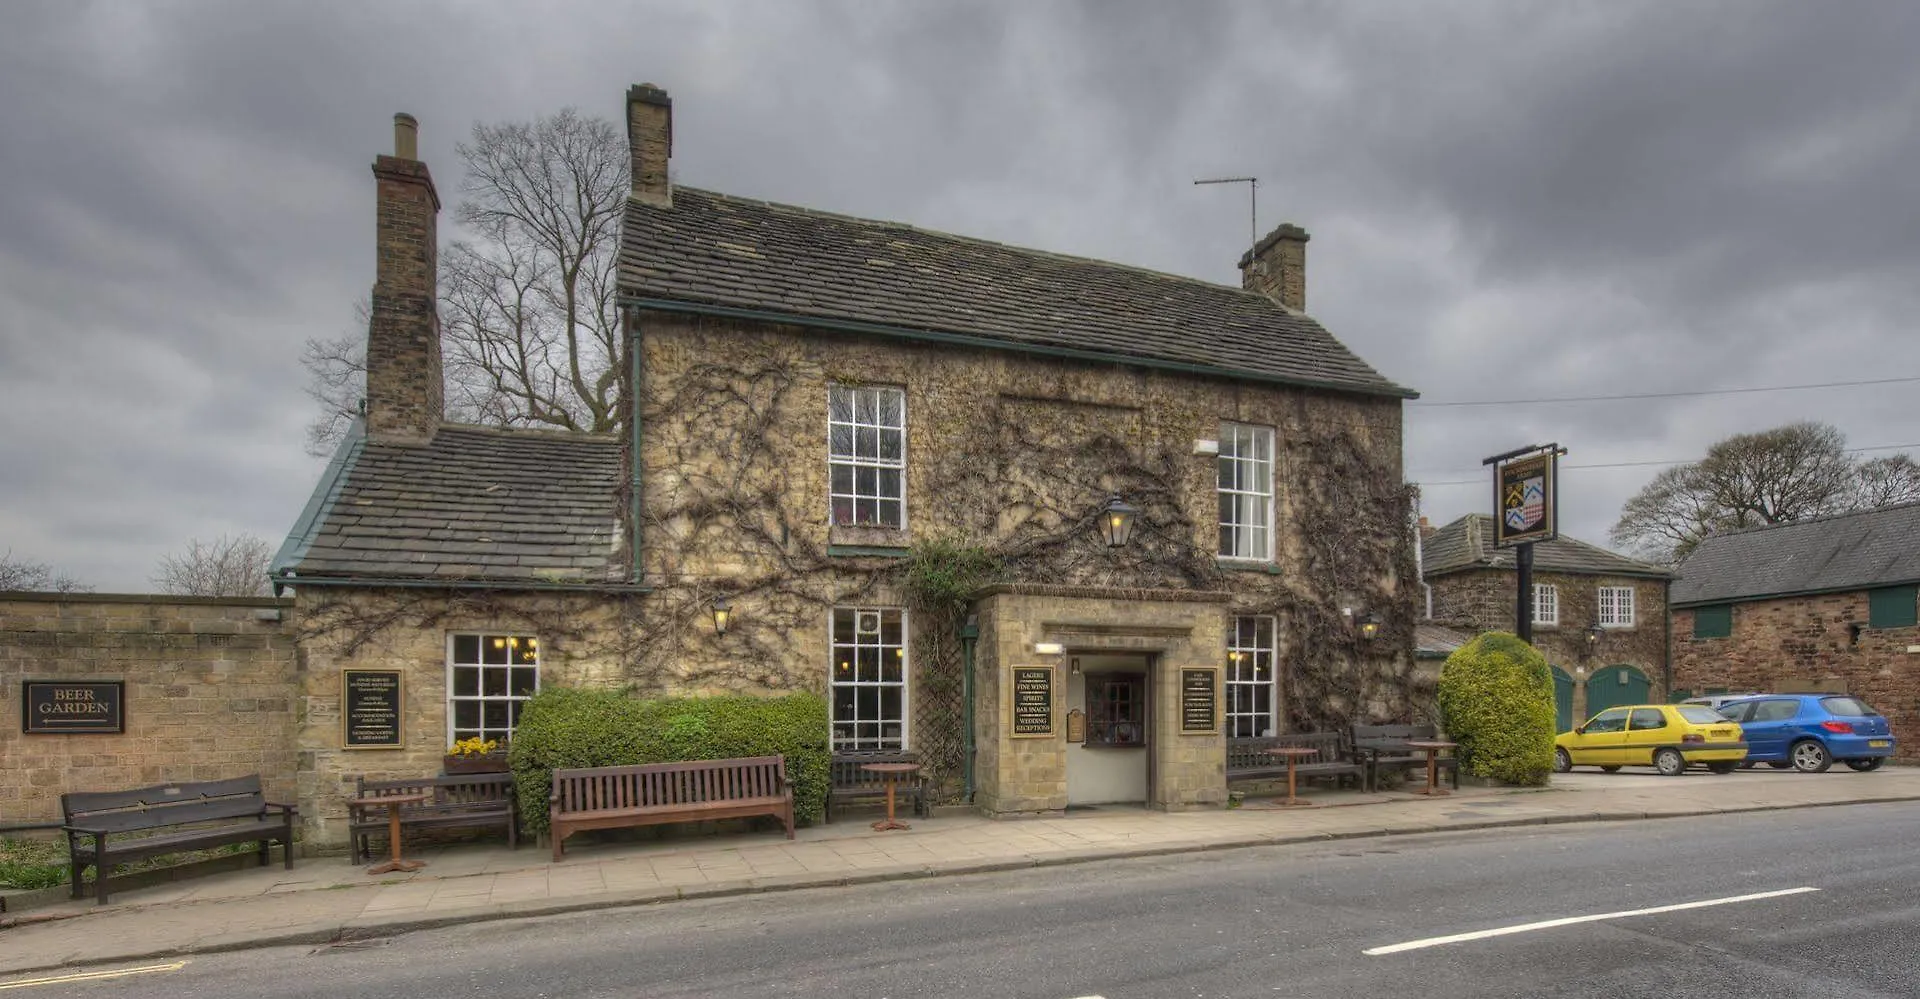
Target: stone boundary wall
(209,693)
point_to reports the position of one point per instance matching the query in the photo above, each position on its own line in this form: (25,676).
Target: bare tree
(336,380)
(1788,473)
(224,567)
(528,304)
(25,574)
(1886,482)
(530,328)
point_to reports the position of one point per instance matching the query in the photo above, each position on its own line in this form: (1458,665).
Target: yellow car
(1667,737)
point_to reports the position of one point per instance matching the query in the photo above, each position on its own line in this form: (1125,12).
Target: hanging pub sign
(1526,496)
(1032,702)
(73,707)
(370,709)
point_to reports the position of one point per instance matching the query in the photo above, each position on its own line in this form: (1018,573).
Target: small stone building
(1831,604)
(818,410)
(1600,618)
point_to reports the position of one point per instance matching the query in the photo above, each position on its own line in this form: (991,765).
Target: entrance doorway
(1112,762)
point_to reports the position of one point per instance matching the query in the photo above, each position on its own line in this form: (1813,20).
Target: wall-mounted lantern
(1593,636)
(1369,626)
(722,615)
(1116,521)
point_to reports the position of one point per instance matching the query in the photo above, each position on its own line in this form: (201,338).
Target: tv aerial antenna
(1253,202)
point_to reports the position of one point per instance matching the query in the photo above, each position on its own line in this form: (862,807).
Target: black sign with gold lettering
(1199,708)
(370,709)
(66,707)
(1032,701)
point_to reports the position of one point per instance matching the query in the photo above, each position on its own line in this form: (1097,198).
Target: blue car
(1809,731)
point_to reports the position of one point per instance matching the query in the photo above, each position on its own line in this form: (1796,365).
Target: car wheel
(1669,762)
(1810,757)
(1870,763)
(1722,768)
(1779,764)
(1561,761)
(1612,768)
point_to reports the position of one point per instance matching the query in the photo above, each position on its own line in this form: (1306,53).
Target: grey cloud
(1507,200)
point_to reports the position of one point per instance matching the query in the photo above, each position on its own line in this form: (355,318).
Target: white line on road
(90,976)
(1571,920)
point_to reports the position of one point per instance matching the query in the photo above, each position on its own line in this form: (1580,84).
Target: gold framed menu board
(1032,702)
(1199,702)
(370,709)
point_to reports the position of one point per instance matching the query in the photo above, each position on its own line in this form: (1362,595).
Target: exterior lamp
(1593,636)
(1369,627)
(722,615)
(1116,521)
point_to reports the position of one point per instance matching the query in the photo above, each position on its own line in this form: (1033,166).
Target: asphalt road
(1284,921)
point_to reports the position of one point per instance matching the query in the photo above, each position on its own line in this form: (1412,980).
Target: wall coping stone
(1128,593)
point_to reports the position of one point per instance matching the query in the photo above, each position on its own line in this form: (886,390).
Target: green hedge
(562,729)
(1496,701)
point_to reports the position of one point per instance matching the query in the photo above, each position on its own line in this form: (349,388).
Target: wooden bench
(169,818)
(1247,758)
(1384,747)
(850,783)
(658,793)
(459,801)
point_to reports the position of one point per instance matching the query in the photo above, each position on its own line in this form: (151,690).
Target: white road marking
(92,976)
(1571,920)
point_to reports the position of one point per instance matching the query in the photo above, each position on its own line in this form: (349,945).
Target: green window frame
(1893,607)
(1713,622)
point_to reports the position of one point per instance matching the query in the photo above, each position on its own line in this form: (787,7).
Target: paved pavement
(325,899)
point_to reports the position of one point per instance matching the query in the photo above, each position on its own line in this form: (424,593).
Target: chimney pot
(406,137)
(1277,266)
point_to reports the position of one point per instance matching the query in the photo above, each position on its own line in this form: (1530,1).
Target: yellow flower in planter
(474,746)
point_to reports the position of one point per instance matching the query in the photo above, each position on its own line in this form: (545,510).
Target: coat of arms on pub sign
(1524,500)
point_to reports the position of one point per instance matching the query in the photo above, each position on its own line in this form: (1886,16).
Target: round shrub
(561,729)
(1496,701)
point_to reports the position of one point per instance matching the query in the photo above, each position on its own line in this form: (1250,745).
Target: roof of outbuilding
(1467,543)
(474,505)
(1437,641)
(716,250)
(1845,552)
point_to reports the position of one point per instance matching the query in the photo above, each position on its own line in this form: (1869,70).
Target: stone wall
(1014,453)
(1805,644)
(209,694)
(1483,600)
(584,641)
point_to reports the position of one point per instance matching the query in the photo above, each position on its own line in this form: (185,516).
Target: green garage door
(1615,685)
(1562,701)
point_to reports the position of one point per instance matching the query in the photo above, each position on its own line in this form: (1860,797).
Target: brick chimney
(405,396)
(1277,267)
(650,135)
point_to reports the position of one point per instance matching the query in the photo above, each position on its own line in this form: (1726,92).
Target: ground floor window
(1250,680)
(868,680)
(489,678)
(1116,709)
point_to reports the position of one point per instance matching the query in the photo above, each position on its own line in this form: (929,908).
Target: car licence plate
(1879,743)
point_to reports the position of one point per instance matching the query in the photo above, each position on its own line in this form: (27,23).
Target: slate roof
(477,504)
(1467,543)
(717,250)
(1437,641)
(1849,552)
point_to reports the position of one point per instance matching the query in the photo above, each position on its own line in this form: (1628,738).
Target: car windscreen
(1849,707)
(1700,714)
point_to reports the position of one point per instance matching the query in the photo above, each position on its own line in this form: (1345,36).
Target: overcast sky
(1507,200)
